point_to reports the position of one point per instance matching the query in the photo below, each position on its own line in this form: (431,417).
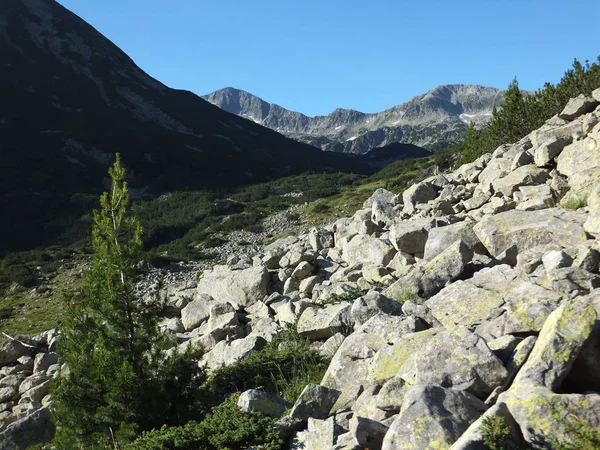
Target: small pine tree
(117,381)
(470,148)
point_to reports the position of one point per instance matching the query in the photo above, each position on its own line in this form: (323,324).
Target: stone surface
(10,351)
(432,417)
(262,402)
(528,229)
(578,106)
(440,238)
(35,428)
(470,302)
(391,395)
(368,250)
(44,360)
(523,176)
(320,323)
(550,149)
(473,439)
(239,287)
(428,279)
(560,341)
(349,367)
(367,433)
(409,236)
(456,359)
(315,402)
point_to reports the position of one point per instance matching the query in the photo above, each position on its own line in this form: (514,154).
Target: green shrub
(283,367)
(496,434)
(319,207)
(226,427)
(582,436)
(18,273)
(334,299)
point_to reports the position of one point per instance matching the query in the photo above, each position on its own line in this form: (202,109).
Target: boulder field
(473,294)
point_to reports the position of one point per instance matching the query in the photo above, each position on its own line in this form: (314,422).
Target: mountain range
(433,120)
(71,99)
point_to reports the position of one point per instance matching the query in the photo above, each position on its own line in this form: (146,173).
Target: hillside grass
(186,226)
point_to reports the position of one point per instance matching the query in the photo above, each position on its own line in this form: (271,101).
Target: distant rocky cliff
(433,120)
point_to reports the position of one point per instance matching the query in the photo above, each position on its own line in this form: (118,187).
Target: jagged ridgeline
(462,313)
(433,120)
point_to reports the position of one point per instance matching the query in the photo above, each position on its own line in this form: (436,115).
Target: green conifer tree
(118,381)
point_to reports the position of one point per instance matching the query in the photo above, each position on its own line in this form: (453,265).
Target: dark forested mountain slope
(70,99)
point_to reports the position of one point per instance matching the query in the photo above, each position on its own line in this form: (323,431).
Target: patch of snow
(191,147)
(352,138)
(145,110)
(339,128)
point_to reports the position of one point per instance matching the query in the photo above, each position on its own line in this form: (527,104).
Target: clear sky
(314,56)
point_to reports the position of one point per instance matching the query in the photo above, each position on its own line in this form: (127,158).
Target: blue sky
(314,56)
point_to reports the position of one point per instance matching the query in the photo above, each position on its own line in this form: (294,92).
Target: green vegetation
(497,434)
(520,114)
(226,427)
(283,367)
(582,436)
(118,382)
(334,298)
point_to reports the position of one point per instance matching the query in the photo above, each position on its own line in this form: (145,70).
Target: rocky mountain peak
(431,120)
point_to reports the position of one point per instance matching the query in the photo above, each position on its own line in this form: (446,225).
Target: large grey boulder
(44,360)
(197,311)
(473,438)
(12,350)
(410,236)
(561,339)
(550,149)
(315,401)
(35,428)
(262,402)
(349,367)
(371,304)
(533,397)
(383,206)
(383,196)
(417,193)
(528,229)
(320,435)
(428,279)
(319,323)
(440,238)
(470,302)
(578,106)
(456,359)
(320,238)
(523,176)
(391,356)
(432,417)
(592,224)
(367,433)
(223,321)
(366,249)
(224,354)
(578,157)
(239,287)
(391,395)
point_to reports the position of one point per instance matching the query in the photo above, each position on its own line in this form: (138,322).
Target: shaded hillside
(71,99)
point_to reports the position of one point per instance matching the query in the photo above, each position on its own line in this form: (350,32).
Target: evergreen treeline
(520,113)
